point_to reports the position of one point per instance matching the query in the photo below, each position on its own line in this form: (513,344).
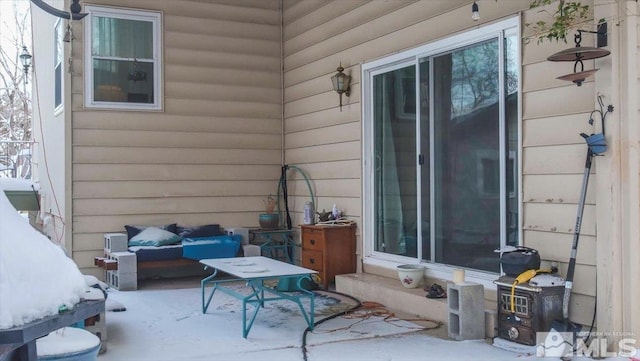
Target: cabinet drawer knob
(312,241)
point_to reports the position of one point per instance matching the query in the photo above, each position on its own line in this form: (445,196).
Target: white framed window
(57,65)
(123,59)
(441,133)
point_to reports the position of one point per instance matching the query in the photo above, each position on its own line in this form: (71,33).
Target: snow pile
(36,277)
(14,184)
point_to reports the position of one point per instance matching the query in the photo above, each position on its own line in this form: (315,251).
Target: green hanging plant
(568,16)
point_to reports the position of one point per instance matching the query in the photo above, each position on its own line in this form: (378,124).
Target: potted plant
(270,219)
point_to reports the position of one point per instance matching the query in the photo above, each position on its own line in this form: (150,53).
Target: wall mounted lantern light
(25,58)
(579,53)
(475,12)
(340,83)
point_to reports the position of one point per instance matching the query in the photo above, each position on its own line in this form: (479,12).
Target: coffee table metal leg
(203,284)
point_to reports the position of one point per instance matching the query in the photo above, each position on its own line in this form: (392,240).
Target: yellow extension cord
(522,278)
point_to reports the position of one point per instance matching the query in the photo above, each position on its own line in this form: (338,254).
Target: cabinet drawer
(312,260)
(312,239)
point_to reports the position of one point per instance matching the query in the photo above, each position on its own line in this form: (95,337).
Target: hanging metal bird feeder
(577,55)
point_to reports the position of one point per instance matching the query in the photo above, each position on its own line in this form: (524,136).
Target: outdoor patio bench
(162,252)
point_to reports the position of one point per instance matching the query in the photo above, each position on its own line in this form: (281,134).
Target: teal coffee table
(255,270)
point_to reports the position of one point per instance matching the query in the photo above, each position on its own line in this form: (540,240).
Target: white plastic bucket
(68,344)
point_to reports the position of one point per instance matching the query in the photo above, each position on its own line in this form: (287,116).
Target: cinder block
(251,250)
(490,323)
(127,261)
(115,242)
(241,231)
(122,281)
(97,325)
(466,311)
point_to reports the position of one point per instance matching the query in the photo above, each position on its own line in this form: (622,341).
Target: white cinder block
(127,261)
(242,231)
(122,281)
(251,250)
(115,242)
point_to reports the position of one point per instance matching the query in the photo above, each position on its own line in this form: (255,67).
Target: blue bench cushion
(211,247)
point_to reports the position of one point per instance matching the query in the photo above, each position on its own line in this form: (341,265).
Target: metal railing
(15,159)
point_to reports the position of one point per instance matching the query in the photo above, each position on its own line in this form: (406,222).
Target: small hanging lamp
(578,54)
(475,11)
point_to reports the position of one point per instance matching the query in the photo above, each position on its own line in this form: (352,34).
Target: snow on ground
(168,325)
(36,277)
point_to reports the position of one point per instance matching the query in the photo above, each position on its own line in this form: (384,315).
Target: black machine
(527,308)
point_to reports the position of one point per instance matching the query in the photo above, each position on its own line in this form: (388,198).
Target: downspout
(282,82)
(68,148)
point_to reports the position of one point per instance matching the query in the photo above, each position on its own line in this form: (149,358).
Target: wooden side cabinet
(330,250)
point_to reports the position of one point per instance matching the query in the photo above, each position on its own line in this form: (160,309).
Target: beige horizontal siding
(554,159)
(324,153)
(220,92)
(212,154)
(224,10)
(328,135)
(170,189)
(558,217)
(326,100)
(167,205)
(162,155)
(568,99)
(173,172)
(334,20)
(173,122)
(554,245)
(227,77)
(323,118)
(222,27)
(295,9)
(193,140)
(555,188)
(219,44)
(340,169)
(554,130)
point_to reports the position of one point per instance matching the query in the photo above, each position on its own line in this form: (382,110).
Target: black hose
(285,193)
(35,195)
(304,334)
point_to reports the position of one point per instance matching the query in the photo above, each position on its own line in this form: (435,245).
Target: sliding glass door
(466,152)
(394,153)
(444,153)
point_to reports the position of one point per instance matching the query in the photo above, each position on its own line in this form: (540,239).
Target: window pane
(425,151)
(395,154)
(467,174)
(122,81)
(122,38)
(511,114)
